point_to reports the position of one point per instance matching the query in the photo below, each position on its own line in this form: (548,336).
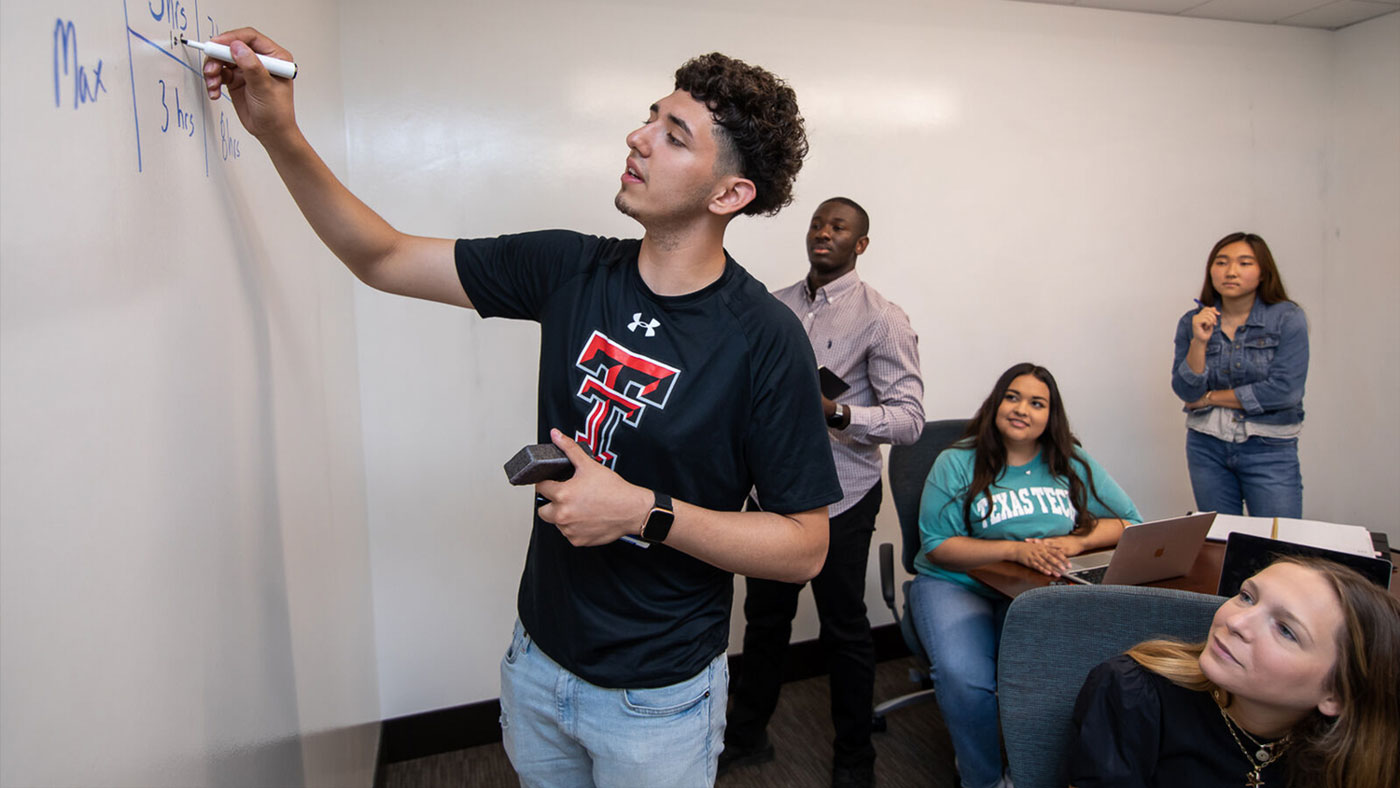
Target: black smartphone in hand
(832,386)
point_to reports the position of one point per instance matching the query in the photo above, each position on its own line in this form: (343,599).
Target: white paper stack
(1332,536)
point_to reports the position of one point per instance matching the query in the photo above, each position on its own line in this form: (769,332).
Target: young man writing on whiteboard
(672,381)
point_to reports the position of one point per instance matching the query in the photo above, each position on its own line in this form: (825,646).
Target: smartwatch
(837,417)
(659,519)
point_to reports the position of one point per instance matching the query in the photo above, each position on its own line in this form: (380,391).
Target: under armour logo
(637,323)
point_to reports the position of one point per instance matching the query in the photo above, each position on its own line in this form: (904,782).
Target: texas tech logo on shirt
(621,385)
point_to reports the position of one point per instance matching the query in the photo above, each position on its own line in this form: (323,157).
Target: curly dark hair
(763,134)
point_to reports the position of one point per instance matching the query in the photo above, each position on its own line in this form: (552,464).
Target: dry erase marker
(277,68)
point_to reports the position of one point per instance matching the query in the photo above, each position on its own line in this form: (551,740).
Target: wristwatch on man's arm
(840,418)
(658,522)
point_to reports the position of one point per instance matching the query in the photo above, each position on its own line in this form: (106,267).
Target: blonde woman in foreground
(1297,686)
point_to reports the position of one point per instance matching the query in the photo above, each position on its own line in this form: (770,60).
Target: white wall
(1350,449)
(1044,183)
(184,558)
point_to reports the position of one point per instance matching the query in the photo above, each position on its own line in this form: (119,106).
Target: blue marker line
(131,69)
(207,111)
(165,52)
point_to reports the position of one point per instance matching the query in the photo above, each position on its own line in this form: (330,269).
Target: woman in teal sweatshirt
(1016,487)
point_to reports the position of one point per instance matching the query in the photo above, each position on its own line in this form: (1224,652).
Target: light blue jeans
(559,730)
(1261,473)
(960,631)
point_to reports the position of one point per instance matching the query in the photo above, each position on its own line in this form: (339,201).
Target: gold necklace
(1265,750)
(1262,757)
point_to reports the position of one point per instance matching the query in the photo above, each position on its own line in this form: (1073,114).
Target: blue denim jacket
(1266,365)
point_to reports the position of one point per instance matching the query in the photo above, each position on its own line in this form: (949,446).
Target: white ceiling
(1323,14)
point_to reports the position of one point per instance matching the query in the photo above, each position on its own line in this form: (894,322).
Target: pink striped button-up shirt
(868,342)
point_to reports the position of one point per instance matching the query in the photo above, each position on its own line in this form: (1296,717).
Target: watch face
(658,525)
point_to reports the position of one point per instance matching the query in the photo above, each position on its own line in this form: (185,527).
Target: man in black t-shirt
(672,381)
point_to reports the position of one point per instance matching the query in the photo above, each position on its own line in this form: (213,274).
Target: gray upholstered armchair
(1052,638)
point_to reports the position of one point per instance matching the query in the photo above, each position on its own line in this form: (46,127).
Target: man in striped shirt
(868,343)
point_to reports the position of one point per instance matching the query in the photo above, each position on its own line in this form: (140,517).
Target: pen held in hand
(276,67)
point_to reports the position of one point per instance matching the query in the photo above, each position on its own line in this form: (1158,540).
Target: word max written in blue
(85,84)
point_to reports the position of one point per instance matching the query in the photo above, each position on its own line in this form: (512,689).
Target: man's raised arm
(374,251)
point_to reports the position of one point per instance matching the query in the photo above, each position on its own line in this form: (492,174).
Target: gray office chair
(909,467)
(1052,638)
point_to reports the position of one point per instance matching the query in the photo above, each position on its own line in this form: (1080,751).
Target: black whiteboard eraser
(538,463)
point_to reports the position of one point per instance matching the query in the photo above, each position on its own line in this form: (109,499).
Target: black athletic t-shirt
(702,396)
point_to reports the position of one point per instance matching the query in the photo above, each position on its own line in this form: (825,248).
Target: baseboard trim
(473,724)
(440,730)
(379,764)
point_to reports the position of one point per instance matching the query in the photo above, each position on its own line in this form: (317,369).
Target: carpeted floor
(914,751)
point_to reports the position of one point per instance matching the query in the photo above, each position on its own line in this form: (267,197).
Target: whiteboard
(182,554)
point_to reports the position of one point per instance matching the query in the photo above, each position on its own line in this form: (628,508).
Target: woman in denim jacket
(1241,362)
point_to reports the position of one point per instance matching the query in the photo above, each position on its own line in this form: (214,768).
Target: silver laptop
(1146,552)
